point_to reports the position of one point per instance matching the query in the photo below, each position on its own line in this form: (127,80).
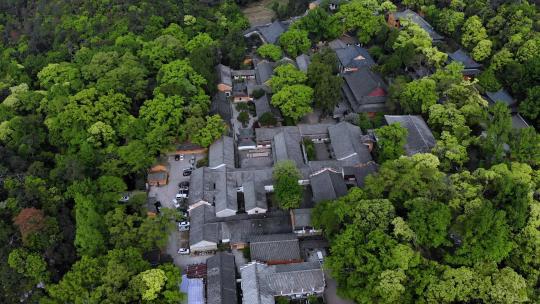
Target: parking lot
(165,194)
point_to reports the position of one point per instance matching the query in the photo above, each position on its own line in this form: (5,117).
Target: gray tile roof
(221,106)
(200,229)
(354,56)
(242,230)
(221,279)
(327,185)
(254,195)
(501,95)
(243,72)
(420,139)
(264,71)
(260,282)
(266,134)
(346,140)
(303,62)
(286,145)
(271,32)
(222,153)
(262,105)
(360,172)
(224,74)
(225,193)
(365,91)
(275,248)
(302,217)
(414,17)
(461,56)
(518,122)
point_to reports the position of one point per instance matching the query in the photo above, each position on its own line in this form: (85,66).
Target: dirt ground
(260,12)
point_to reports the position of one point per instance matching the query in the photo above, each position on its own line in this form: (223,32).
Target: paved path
(330,292)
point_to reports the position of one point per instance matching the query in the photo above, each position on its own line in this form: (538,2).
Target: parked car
(182,194)
(183,226)
(124,198)
(187,172)
(183,185)
(176,203)
(177,157)
(320,256)
(183,250)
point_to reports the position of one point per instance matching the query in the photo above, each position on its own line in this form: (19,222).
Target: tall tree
(391,142)
(286,188)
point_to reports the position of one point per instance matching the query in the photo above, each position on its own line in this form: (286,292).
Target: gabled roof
(264,71)
(242,230)
(420,139)
(270,32)
(360,172)
(354,56)
(194,288)
(275,248)
(303,62)
(414,17)
(221,106)
(461,56)
(224,74)
(254,195)
(261,283)
(262,105)
(302,217)
(364,90)
(501,95)
(286,145)
(221,279)
(327,185)
(518,122)
(201,230)
(346,140)
(222,153)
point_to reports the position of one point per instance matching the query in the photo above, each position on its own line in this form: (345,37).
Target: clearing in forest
(260,12)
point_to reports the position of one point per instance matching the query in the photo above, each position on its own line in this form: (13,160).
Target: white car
(176,203)
(183,226)
(183,250)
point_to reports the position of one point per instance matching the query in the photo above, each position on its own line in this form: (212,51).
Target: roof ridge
(418,130)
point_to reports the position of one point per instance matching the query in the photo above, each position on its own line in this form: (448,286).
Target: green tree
(320,25)
(163,112)
(391,142)
(213,129)
(418,95)
(295,42)
(530,107)
(29,264)
(430,221)
(482,50)
(359,16)
(149,283)
(450,151)
(201,41)
(286,188)
(473,32)
(270,51)
(243,117)
(286,75)
(525,146)
(89,238)
(267,119)
(326,85)
(294,101)
(498,132)
(508,287)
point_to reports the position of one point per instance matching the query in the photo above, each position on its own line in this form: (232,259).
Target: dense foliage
(92,92)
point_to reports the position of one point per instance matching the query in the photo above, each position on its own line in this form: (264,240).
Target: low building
(194,289)
(503,96)
(419,137)
(356,175)
(254,197)
(302,62)
(396,20)
(225,84)
(269,33)
(327,185)
(365,91)
(263,72)
(221,153)
(275,249)
(261,283)
(203,234)
(470,67)
(301,223)
(221,279)
(351,57)
(158,175)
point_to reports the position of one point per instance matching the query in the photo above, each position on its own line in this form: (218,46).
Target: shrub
(267,119)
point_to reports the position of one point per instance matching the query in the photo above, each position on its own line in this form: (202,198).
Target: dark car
(177,157)
(183,185)
(187,172)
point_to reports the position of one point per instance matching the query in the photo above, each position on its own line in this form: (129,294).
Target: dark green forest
(92,92)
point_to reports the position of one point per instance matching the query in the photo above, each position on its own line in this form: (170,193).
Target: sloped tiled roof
(461,56)
(222,152)
(275,247)
(327,185)
(221,279)
(419,138)
(414,17)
